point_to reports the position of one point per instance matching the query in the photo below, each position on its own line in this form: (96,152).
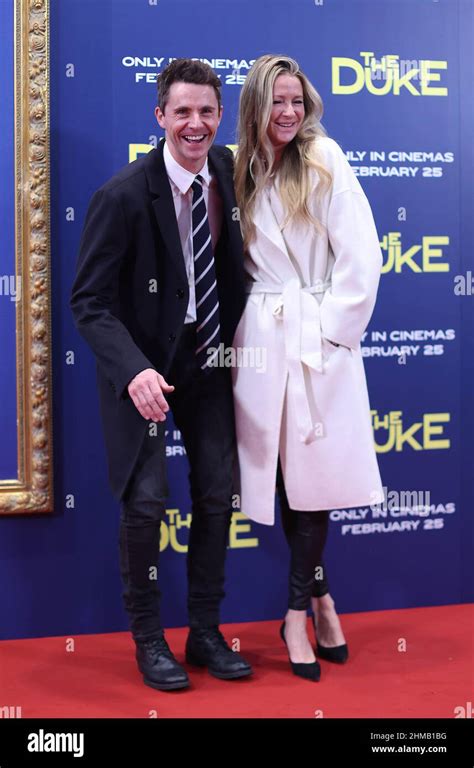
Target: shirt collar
(179,175)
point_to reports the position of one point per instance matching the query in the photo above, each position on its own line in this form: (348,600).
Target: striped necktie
(207,301)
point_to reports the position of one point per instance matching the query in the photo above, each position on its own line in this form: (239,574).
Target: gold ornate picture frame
(32,490)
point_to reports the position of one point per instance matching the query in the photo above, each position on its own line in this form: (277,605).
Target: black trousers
(202,408)
(306,534)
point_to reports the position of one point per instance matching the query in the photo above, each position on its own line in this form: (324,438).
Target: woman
(313,261)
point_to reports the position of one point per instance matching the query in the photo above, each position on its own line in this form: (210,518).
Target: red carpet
(100,679)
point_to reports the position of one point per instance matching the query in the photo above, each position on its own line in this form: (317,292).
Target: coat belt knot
(298,309)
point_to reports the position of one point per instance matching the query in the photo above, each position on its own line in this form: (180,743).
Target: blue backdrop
(406,124)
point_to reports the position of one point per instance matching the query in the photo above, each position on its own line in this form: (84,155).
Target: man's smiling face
(191,118)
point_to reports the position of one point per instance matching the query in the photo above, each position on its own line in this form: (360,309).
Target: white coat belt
(299,310)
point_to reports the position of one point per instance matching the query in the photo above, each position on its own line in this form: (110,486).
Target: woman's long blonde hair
(255,155)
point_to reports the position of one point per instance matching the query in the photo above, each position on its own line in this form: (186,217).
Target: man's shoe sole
(166,686)
(220,675)
(230,675)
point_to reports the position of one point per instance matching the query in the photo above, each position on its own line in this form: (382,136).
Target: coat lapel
(266,222)
(224,180)
(223,172)
(163,207)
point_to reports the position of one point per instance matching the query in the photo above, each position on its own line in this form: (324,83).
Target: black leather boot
(159,667)
(207,647)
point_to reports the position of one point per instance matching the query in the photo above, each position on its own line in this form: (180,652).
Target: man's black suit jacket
(130,294)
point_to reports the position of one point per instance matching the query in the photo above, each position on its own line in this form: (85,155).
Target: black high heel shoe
(311,671)
(337,654)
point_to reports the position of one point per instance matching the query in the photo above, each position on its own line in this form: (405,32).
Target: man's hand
(146,390)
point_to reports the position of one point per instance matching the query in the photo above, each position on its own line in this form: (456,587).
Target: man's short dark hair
(186,71)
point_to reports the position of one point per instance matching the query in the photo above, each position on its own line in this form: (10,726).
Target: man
(159,286)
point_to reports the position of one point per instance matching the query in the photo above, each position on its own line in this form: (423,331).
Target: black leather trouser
(306,534)
(202,409)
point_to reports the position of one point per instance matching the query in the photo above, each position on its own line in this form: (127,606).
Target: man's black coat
(131,293)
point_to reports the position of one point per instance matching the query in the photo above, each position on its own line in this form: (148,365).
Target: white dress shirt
(180,181)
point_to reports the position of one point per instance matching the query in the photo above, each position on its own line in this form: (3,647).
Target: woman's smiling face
(287,112)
